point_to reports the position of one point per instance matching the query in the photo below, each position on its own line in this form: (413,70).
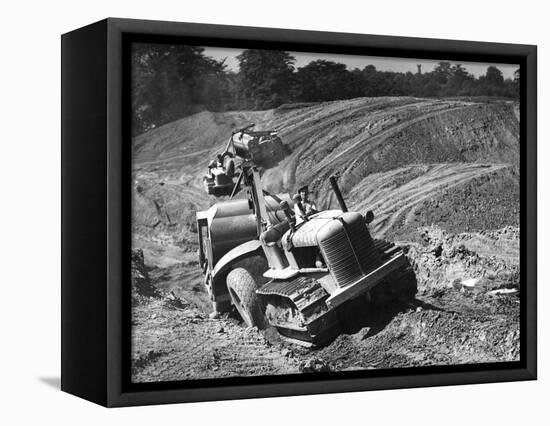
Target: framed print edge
(109,376)
(529,243)
(84,320)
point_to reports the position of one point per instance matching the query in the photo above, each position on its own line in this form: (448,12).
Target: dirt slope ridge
(457,196)
(354,139)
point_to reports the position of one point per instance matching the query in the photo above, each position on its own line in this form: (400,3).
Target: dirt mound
(166,208)
(459,197)
(168,166)
(184,343)
(182,140)
(485,261)
(184,280)
(449,328)
(486,201)
(141,282)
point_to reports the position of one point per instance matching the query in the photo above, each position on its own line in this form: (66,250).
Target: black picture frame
(96,212)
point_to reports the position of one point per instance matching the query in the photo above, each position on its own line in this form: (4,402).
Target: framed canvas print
(253,212)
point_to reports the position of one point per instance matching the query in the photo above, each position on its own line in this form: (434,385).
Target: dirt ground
(448,328)
(442,179)
(449,323)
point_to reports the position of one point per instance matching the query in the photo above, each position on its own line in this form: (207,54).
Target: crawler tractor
(275,272)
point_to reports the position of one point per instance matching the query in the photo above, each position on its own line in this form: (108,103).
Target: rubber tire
(242,290)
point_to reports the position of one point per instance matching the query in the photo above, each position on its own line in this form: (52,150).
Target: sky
(354,61)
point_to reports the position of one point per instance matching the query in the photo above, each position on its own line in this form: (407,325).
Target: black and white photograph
(299,212)
(238,213)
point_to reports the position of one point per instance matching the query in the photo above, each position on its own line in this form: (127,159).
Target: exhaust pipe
(338,194)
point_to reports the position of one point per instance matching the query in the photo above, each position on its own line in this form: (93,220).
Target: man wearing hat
(307,204)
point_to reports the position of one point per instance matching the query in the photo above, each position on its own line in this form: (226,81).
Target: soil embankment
(442,177)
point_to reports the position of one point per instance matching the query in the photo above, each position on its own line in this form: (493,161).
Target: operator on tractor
(308,206)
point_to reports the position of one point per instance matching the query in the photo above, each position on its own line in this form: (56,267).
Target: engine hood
(306,234)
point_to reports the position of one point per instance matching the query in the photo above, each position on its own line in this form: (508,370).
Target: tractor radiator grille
(350,252)
(361,240)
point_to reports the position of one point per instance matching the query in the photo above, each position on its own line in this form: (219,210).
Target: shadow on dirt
(360,313)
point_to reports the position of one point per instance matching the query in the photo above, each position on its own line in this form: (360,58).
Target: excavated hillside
(408,150)
(442,177)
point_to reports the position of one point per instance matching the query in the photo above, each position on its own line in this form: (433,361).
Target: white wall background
(30,200)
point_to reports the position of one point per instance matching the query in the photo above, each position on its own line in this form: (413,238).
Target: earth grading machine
(296,277)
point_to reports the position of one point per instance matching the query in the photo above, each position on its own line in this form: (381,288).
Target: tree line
(173,81)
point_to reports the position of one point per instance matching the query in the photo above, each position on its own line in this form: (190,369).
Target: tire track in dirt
(303,130)
(182,343)
(377,139)
(399,203)
(339,128)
